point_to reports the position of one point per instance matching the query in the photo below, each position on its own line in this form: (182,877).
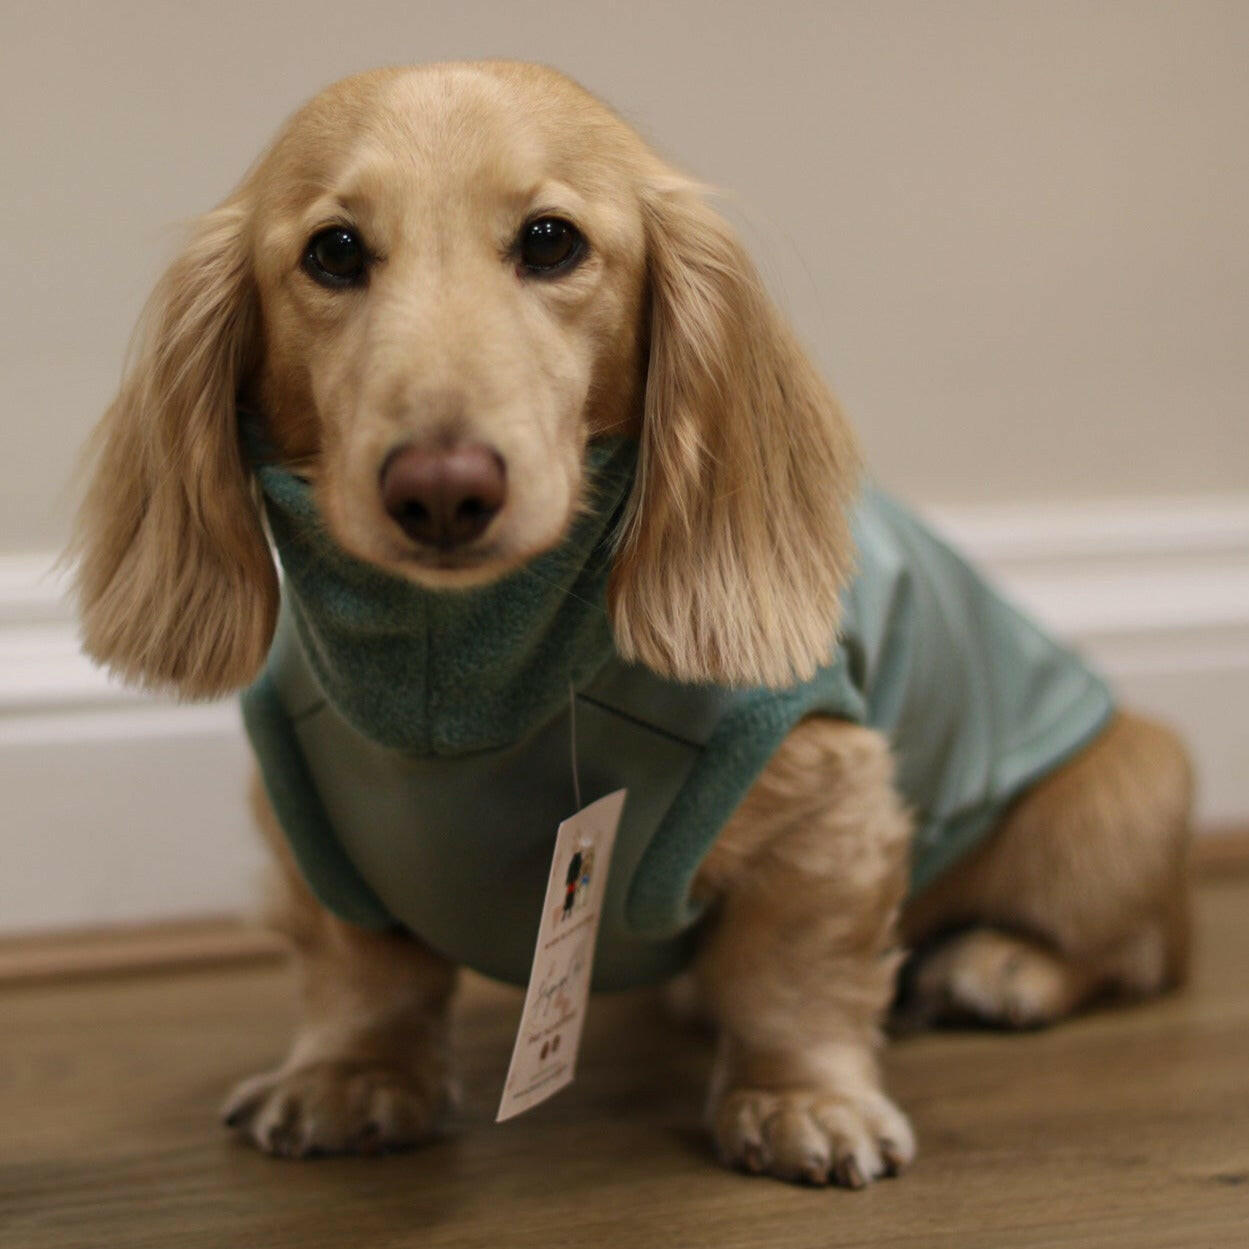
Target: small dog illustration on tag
(577,879)
(571,884)
(587,875)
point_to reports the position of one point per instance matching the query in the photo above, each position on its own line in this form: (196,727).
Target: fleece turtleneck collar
(450,672)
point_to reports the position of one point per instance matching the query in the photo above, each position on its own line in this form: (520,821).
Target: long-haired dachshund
(517,413)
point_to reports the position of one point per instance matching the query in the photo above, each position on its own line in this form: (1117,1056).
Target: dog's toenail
(850,1174)
(815,1172)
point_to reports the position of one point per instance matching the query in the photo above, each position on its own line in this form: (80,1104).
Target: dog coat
(416,745)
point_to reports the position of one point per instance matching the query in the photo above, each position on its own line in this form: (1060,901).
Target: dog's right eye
(335,258)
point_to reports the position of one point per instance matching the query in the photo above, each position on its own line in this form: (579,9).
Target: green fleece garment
(416,745)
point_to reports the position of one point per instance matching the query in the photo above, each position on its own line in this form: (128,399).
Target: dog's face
(433,289)
(449,286)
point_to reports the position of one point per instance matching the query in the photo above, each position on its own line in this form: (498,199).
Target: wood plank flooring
(1125,1128)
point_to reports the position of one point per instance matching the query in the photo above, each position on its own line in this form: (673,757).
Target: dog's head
(434,288)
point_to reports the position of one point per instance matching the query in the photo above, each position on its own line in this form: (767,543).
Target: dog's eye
(335,257)
(548,244)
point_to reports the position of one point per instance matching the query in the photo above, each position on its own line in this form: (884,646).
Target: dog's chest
(975,700)
(458,848)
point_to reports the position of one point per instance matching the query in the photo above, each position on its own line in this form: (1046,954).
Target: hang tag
(544,1057)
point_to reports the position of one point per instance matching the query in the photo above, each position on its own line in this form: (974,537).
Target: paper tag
(545,1055)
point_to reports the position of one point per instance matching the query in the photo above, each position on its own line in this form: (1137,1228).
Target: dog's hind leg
(798,966)
(369,1067)
(1080,893)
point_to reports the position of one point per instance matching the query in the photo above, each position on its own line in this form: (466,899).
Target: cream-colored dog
(485,247)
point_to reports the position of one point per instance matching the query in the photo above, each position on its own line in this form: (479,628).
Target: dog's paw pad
(813,1136)
(335,1108)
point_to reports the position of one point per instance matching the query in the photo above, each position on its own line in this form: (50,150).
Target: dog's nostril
(443,495)
(473,509)
(413,513)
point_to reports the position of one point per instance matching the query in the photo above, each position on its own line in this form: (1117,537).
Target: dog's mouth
(466,568)
(439,561)
(471,566)
(501,551)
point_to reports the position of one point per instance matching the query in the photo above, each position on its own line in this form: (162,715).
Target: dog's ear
(176,588)
(736,543)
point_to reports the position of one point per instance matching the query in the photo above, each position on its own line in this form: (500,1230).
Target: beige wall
(1014,234)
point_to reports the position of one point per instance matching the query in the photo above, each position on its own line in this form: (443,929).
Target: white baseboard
(120,808)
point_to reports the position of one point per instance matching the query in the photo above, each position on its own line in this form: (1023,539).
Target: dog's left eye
(549,244)
(335,257)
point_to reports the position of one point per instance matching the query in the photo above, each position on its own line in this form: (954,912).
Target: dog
(458,321)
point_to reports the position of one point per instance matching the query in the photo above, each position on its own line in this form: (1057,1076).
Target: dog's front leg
(798,967)
(369,1068)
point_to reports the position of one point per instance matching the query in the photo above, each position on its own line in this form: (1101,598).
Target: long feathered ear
(736,544)
(176,587)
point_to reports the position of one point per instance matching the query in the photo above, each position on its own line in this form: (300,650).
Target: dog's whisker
(529,570)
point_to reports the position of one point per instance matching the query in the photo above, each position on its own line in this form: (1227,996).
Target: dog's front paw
(813,1135)
(336,1108)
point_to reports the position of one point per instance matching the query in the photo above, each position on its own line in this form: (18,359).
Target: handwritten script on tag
(544,1057)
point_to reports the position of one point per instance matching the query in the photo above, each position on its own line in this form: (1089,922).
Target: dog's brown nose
(443,495)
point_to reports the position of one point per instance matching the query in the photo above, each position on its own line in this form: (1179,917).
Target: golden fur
(729,567)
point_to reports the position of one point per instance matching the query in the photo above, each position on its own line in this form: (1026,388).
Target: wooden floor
(1126,1128)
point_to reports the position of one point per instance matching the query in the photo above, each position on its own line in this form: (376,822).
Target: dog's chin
(463,568)
(452,570)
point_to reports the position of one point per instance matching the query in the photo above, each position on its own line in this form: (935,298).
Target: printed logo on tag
(544,1057)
